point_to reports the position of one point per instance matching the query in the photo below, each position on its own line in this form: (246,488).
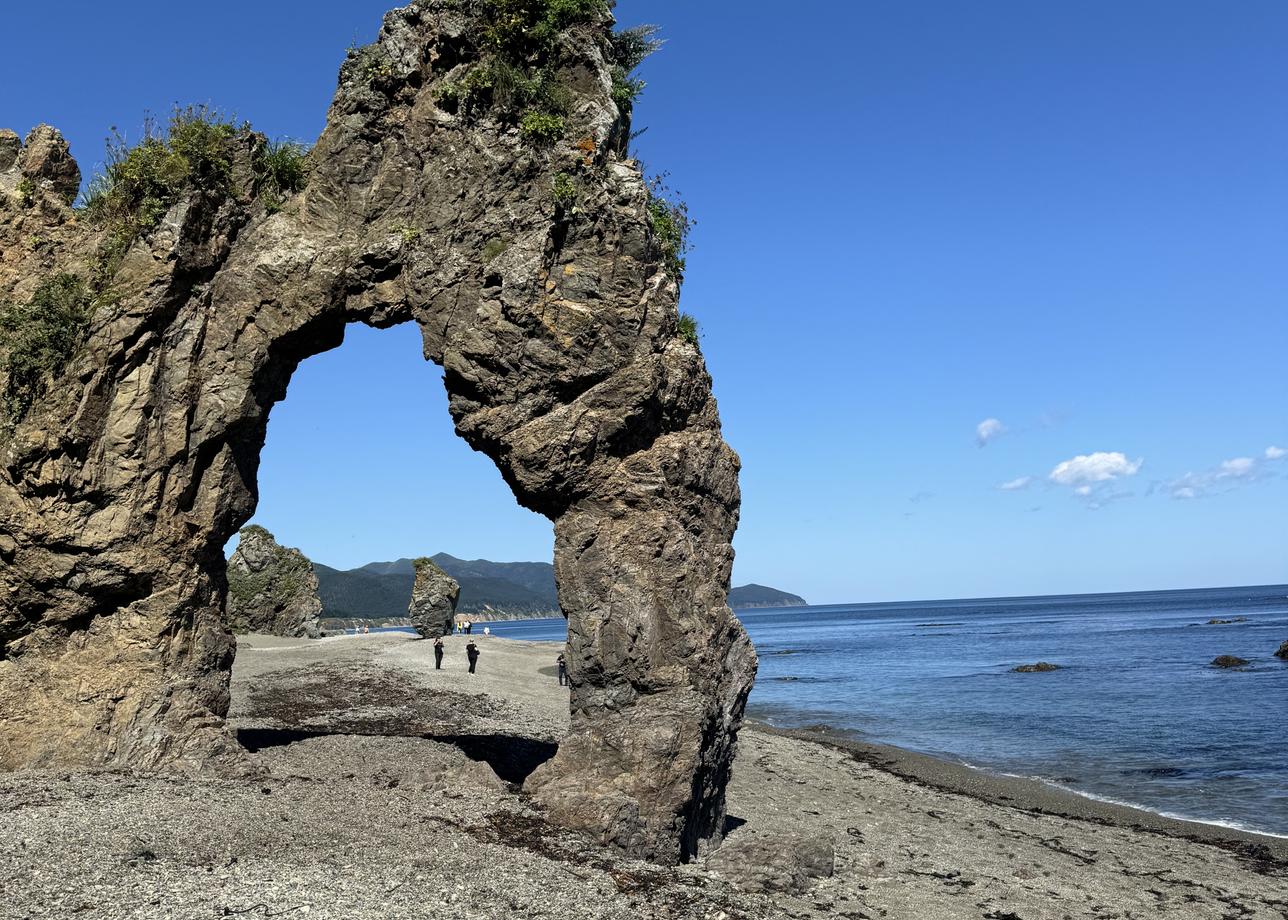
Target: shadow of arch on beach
(511,757)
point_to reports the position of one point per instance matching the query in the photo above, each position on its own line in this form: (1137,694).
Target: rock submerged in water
(272,589)
(1228,661)
(1039,668)
(1218,622)
(1283,652)
(433,600)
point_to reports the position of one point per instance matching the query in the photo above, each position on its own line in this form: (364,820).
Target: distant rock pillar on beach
(272,589)
(433,600)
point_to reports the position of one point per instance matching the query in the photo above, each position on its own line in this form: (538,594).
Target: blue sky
(913,217)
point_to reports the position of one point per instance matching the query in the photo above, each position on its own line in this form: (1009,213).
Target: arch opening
(360,474)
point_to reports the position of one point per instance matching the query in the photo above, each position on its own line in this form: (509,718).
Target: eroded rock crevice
(557,331)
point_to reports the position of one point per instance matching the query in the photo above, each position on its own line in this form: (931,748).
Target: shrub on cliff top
(688,328)
(519,41)
(668,216)
(630,48)
(141,182)
(282,168)
(39,338)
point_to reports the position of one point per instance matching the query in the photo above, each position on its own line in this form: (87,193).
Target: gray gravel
(374,810)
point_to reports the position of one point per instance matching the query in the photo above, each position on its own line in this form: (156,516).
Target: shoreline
(1032,795)
(380,784)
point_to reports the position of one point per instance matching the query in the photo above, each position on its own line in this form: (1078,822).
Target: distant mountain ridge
(381,590)
(749,596)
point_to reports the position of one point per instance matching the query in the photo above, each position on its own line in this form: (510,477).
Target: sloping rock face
(558,333)
(271,589)
(433,600)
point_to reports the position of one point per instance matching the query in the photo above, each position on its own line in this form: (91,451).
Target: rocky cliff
(472,178)
(433,600)
(271,589)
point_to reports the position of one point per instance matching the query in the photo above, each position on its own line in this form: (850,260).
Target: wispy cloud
(1015,485)
(1227,475)
(989,430)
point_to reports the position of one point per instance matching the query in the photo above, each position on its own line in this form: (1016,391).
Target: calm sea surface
(1136,715)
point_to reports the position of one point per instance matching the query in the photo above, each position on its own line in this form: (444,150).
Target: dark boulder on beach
(1039,668)
(1283,652)
(1228,661)
(433,600)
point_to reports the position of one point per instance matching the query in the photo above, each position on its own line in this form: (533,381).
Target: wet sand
(388,791)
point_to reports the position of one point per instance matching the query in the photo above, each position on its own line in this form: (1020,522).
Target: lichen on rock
(272,590)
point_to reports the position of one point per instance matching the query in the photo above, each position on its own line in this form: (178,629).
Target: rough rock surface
(1283,652)
(1040,667)
(1228,661)
(558,335)
(786,862)
(43,165)
(433,600)
(272,589)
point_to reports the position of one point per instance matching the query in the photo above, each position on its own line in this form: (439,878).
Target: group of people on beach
(471,653)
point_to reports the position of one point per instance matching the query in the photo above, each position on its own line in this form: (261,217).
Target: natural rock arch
(559,340)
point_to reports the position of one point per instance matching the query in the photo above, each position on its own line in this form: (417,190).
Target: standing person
(438,654)
(487,630)
(563,670)
(469,628)
(472,652)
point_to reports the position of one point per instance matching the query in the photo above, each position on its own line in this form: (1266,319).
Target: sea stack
(272,589)
(433,600)
(1283,652)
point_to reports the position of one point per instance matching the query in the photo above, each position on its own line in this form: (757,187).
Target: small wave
(1123,803)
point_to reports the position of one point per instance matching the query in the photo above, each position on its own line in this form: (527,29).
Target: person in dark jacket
(472,653)
(438,654)
(563,671)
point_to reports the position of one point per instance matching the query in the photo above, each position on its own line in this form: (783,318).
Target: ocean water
(1135,715)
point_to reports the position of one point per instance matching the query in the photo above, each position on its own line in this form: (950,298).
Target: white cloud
(1016,485)
(1084,491)
(1094,468)
(1238,468)
(1229,474)
(988,430)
